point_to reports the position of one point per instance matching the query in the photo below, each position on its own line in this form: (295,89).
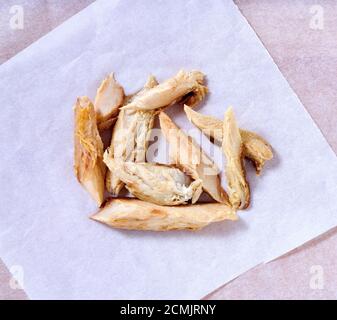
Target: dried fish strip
(156,183)
(185,86)
(89,166)
(238,188)
(130,137)
(134,214)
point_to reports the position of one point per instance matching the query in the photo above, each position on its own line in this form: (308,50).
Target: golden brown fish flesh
(156,183)
(255,148)
(89,166)
(109,98)
(130,138)
(132,130)
(134,214)
(238,188)
(188,155)
(185,86)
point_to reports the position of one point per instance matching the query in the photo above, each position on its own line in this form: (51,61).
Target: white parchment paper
(44,225)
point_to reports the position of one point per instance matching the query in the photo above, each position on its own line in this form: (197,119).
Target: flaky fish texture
(185,86)
(134,214)
(238,188)
(130,137)
(255,148)
(89,166)
(156,183)
(109,98)
(188,155)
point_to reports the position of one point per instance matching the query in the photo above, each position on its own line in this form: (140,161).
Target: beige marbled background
(308,60)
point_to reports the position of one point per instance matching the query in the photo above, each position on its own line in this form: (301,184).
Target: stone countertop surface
(301,38)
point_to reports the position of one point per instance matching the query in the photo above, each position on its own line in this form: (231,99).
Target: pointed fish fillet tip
(109,98)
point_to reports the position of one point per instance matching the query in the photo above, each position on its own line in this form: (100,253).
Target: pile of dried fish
(167,194)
